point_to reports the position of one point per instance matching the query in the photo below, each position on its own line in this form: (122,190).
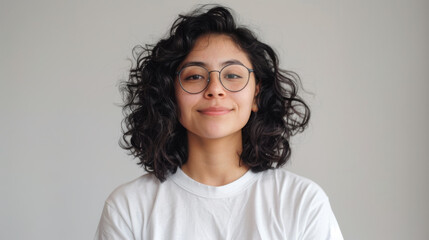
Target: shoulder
(124,207)
(134,190)
(305,206)
(290,179)
(293,186)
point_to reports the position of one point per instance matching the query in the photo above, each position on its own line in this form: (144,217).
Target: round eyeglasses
(194,78)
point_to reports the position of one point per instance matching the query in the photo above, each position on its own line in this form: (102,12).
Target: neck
(214,162)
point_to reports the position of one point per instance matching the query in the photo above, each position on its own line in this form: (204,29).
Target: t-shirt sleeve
(112,225)
(321,223)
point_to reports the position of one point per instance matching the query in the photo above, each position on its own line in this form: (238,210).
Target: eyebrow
(203,64)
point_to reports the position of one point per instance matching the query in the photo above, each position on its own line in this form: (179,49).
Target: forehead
(215,49)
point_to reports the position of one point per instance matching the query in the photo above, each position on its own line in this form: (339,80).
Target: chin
(219,134)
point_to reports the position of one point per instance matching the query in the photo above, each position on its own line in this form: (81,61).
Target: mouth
(215,111)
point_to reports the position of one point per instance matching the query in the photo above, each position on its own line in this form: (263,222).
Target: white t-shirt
(273,204)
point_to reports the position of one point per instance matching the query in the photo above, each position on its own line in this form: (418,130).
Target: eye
(194,77)
(232,76)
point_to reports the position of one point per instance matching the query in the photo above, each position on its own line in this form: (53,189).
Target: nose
(215,88)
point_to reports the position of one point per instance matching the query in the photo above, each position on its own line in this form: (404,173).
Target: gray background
(364,65)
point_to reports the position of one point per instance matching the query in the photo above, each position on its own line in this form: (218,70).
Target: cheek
(245,106)
(185,103)
(181,109)
(247,100)
(180,106)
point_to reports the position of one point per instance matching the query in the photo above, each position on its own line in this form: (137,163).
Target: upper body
(209,114)
(274,204)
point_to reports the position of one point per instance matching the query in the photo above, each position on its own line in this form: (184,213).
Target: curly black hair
(151,128)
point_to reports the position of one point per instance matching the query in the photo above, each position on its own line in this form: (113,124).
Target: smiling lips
(215,111)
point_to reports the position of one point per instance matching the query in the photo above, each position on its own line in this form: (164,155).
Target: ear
(255,98)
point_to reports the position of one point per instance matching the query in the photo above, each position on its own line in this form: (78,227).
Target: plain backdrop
(364,65)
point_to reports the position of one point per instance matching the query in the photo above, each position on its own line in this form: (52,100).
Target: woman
(209,115)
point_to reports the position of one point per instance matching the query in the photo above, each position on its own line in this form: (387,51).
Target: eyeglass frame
(209,79)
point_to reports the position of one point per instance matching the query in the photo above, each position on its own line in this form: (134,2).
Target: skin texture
(215,117)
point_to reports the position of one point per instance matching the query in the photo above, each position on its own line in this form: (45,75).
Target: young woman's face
(216,112)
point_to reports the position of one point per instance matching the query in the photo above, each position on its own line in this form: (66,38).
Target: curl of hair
(151,128)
